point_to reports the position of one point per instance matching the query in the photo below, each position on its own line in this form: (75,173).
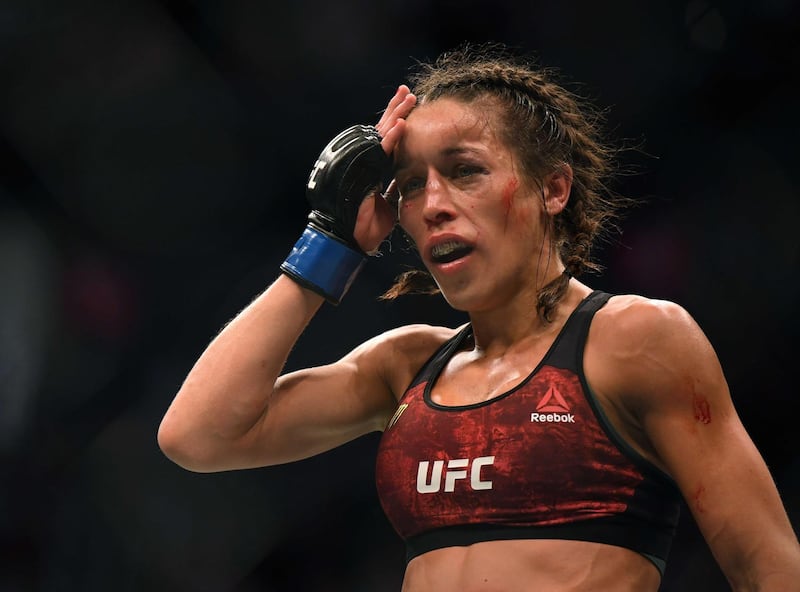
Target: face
(476,221)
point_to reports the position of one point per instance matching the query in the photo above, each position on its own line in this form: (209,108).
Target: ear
(557,187)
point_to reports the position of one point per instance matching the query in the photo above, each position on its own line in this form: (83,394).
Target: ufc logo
(457,469)
(312,178)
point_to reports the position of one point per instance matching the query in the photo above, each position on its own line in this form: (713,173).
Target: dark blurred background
(153,156)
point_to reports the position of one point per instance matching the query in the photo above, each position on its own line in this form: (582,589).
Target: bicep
(316,409)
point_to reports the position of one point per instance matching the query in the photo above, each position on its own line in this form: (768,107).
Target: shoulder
(647,348)
(632,325)
(412,339)
(416,334)
(634,313)
(399,353)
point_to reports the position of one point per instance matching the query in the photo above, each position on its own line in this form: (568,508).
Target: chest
(535,448)
(529,421)
(466,380)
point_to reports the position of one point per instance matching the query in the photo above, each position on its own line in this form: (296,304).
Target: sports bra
(540,461)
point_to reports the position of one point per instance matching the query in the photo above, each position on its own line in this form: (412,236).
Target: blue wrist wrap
(323,264)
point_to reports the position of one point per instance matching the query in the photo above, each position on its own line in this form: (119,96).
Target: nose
(438,205)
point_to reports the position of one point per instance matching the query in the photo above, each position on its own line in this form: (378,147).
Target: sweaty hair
(546,126)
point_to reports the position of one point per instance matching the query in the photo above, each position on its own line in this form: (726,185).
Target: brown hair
(547,126)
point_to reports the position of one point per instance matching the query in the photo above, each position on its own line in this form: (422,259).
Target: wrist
(323,264)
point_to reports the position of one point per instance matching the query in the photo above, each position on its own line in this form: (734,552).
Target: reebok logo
(552,409)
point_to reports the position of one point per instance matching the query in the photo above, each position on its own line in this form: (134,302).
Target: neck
(499,330)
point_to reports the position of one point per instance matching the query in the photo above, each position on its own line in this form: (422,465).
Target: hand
(376,216)
(349,215)
(352,166)
(393,121)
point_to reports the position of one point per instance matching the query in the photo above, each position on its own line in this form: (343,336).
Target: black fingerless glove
(327,258)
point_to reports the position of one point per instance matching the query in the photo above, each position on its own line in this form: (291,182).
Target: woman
(546,444)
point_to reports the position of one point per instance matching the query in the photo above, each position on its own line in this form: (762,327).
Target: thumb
(375,220)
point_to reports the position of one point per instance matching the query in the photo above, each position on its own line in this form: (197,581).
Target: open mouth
(449,251)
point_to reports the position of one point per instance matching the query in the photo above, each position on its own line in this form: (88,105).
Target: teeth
(444,249)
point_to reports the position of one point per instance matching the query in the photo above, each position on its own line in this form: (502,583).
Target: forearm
(227,391)
(778,582)
(777,571)
(785,579)
(756,548)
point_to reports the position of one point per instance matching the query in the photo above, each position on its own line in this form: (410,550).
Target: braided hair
(547,126)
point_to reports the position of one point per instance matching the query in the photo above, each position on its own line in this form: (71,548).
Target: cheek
(402,215)
(404,212)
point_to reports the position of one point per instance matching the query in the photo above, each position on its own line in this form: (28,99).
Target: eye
(409,186)
(462,171)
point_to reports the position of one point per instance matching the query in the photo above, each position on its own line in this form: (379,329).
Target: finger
(374,222)
(397,111)
(394,129)
(391,138)
(405,106)
(399,95)
(402,92)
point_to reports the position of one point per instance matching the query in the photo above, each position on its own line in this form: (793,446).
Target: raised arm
(673,384)
(233,411)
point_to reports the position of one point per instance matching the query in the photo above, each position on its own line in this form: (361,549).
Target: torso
(543,564)
(531,565)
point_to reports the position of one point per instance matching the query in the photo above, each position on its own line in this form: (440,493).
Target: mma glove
(327,257)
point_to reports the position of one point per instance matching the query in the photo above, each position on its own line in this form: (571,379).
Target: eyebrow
(445,153)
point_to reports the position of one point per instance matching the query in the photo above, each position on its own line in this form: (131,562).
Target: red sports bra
(539,461)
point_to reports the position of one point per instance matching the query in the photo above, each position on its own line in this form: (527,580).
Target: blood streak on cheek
(702,410)
(508,194)
(697,499)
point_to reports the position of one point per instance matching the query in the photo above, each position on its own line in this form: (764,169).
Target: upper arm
(672,381)
(315,409)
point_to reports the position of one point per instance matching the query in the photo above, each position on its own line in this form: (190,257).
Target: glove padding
(348,169)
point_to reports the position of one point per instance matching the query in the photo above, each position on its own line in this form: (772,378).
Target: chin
(464,300)
(454,298)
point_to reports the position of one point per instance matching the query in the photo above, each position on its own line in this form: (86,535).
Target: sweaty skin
(457,182)
(645,360)
(521,566)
